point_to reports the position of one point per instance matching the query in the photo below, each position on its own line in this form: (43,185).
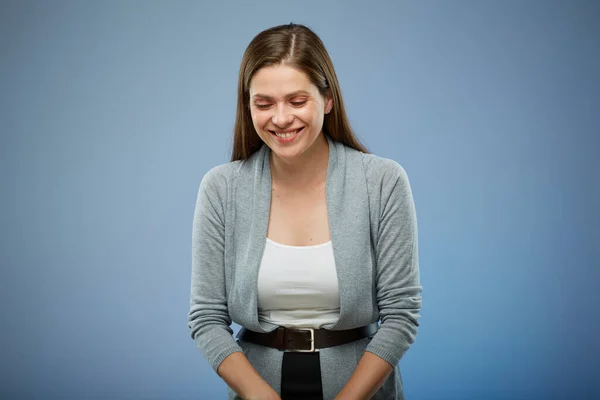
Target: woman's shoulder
(218,177)
(225,170)
(223,174)
(381,169)
(387,180)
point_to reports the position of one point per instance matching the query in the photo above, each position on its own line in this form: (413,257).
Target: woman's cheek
(260,120)
(308,115)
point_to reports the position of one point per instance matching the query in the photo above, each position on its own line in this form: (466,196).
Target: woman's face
(287,110)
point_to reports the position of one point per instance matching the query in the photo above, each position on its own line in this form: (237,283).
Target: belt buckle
(312,341)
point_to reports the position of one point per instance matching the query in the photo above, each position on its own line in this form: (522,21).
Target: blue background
(111,112)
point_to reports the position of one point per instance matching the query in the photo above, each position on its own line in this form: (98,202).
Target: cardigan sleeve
(208,318)
(397,275)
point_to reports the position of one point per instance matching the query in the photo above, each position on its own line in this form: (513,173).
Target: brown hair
(299,47)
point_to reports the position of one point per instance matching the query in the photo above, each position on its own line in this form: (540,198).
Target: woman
(304,239)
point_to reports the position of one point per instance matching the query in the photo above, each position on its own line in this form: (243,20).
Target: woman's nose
(282,116)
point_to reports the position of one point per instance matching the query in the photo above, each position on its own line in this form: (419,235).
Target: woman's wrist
(264,393)
(240,376)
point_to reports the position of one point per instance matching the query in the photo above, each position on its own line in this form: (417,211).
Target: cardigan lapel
(251,222)
(345,190)
(347,194)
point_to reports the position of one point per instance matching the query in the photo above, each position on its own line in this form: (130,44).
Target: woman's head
(287,81)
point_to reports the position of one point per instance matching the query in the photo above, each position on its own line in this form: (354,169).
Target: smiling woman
(304,239)
(286,107)
(287,75)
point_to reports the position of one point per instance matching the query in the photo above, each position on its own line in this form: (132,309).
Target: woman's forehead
(280,81)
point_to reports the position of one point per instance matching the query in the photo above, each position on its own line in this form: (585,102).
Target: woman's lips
(287,139)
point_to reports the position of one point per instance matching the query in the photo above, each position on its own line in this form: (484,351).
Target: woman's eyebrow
(295,93)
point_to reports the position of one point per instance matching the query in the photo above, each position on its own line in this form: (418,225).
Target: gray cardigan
(373,228)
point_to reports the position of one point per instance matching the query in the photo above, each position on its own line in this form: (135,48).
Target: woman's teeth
(287,135)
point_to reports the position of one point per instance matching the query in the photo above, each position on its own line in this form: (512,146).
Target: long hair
(299,47)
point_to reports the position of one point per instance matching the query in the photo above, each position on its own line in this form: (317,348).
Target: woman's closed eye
(266,106)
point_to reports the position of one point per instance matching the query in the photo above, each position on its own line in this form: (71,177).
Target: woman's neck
(307,170)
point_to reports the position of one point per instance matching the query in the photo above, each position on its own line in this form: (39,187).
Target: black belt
(306,339)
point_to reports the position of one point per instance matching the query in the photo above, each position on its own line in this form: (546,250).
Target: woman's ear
(328,104)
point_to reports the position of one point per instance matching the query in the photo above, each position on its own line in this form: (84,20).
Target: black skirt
(301,376)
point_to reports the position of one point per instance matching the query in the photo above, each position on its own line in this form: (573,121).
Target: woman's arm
(208,319)
(370,373)
(397,286)
(241,376)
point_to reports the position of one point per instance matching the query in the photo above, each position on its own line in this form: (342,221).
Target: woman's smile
(287,136)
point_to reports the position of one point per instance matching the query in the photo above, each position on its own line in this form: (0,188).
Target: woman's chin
(286,154)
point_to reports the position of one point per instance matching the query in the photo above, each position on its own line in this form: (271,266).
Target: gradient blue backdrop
(111,112)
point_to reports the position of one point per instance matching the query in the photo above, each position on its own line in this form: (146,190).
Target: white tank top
(298,285)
